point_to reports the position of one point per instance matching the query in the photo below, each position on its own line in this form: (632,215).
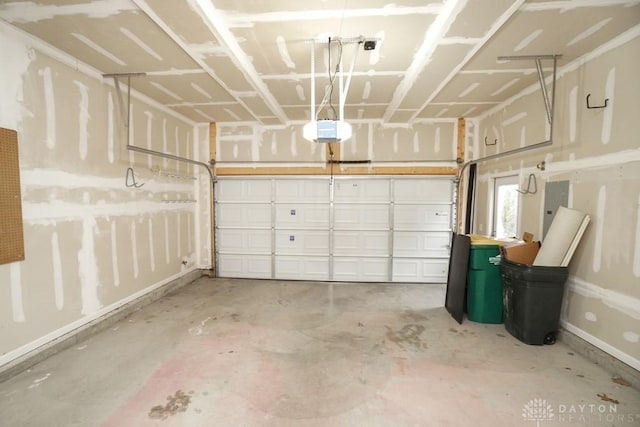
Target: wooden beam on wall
(397,170)
(212,141)
(461,140)
(460,156)
(337,170)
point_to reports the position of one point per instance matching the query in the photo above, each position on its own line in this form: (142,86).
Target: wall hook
(529,190)
(495,141)
(130,180)
(591,107)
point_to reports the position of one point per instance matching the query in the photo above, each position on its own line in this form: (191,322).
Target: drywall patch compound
(607,113)
(17,307)
(114,254)
(58,287)
(573,113)
(110,128)
(49,102)
(88,268)
(152,255)
(599,219)
(134,249)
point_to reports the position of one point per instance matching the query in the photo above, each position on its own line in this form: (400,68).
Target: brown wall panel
(12,242)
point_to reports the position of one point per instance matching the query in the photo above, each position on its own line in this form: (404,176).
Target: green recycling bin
(484,284)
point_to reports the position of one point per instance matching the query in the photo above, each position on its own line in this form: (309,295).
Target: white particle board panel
(243,190)
(244,215)
(302,242)
(351,269)
(244,241)
(422,217)
(302,216)
(420,270)
(434,190)
(362,190)
(302,190)
(361,243)
(244,266)
(302,267)
(421,244)
(361,217)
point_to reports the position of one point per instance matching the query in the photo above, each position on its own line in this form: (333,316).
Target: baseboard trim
(611,364)
(69,336)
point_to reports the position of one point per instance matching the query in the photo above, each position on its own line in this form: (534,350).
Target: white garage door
(244,228)
(423,211)
(369,229)
(361,229)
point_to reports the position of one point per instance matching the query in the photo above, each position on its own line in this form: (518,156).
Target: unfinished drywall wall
(597,151)
(95,236)
(428,147)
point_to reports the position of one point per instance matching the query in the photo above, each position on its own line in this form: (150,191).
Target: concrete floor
(247,352)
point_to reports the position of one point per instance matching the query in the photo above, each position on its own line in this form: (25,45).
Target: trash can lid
(477,239)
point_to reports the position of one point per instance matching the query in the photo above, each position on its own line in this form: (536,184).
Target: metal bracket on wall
(116,81)
(591,107)
(130,180)
(126,115)
(532,179)
(549,105)
(488,144)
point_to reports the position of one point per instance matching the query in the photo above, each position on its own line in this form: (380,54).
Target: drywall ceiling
(249,60)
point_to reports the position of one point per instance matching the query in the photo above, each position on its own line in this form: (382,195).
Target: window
(505,207)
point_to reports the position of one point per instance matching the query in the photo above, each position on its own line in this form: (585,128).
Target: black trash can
(532,300)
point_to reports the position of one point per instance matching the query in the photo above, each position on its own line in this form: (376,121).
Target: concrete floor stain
(179,402)
(414,316)
(407,335)
(604,397)
(621,381)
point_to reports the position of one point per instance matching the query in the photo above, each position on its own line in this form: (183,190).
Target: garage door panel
(302,267)
(301,190)
(366,243)
(302,242)
(422,217)
(421,244)
(420,270)
(244,241)
(376,229)
(361,269)
(423,190)
(243,215)
(244,190)
(361,190)
(244,266)
(302,216)
(359,217)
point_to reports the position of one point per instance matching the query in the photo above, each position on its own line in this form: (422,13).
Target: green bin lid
(477,239)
